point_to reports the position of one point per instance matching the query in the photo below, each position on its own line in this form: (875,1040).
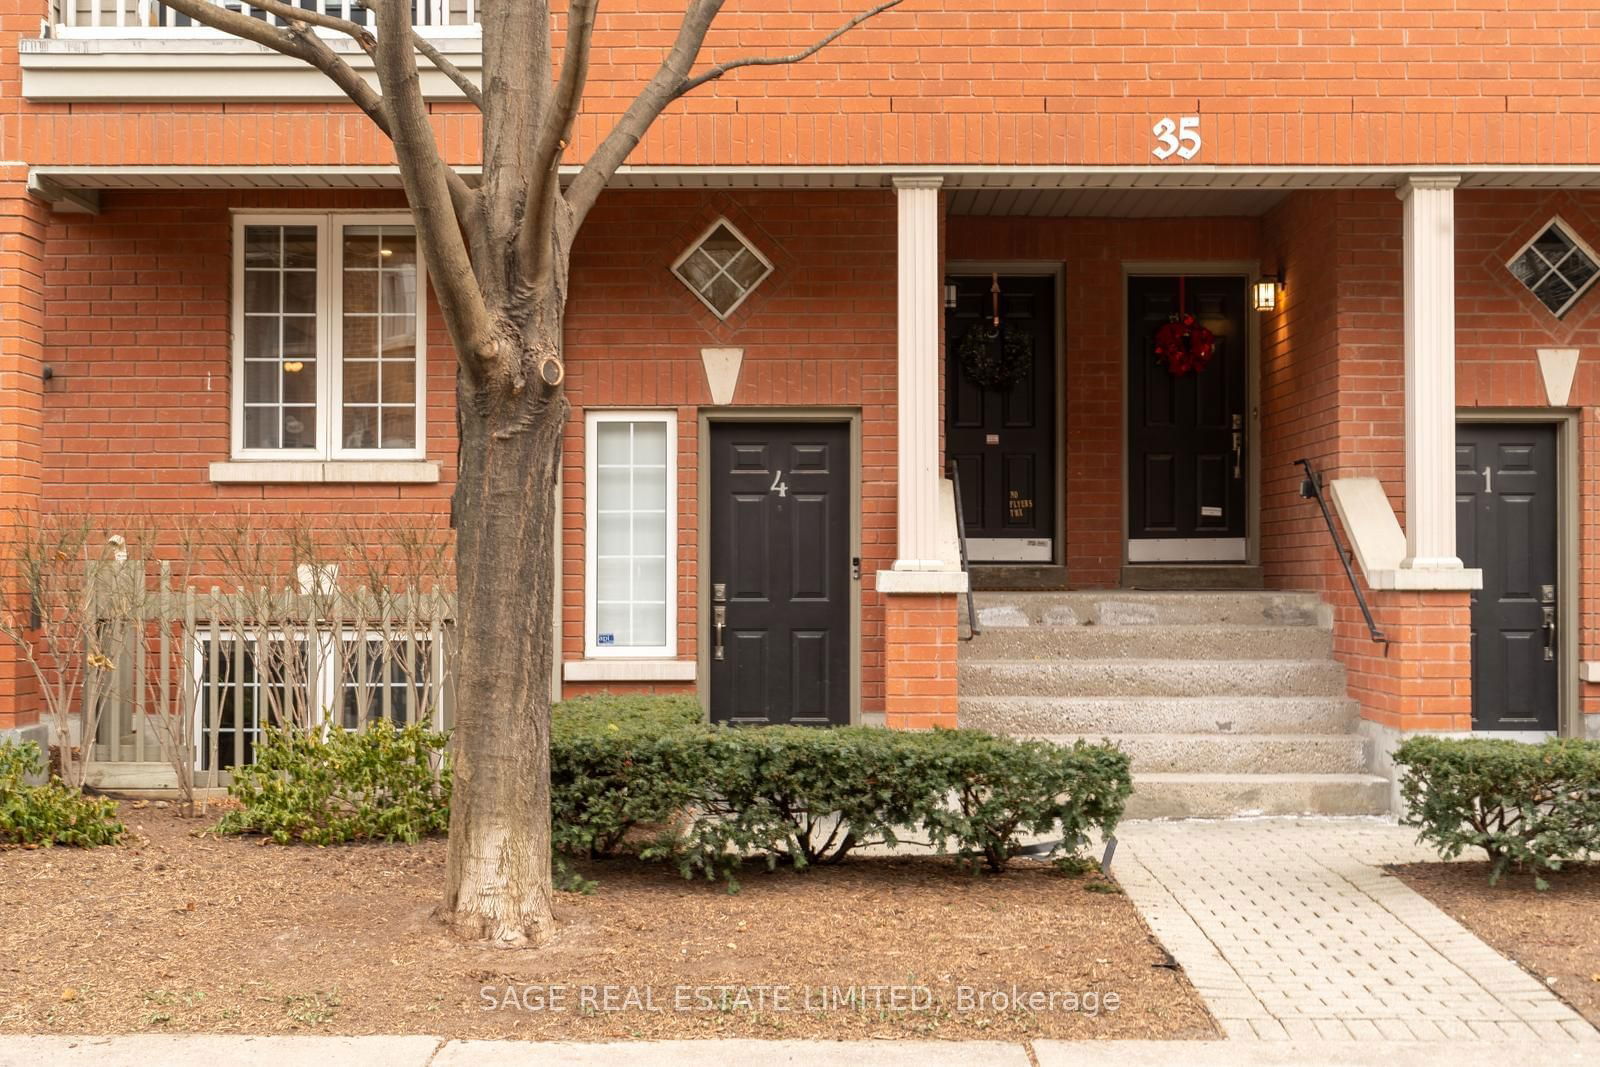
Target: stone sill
(320,472)
(922,583)
(628,670)
(1402,579)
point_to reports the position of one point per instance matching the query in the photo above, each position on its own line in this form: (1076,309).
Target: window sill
(320,472)
(628,670)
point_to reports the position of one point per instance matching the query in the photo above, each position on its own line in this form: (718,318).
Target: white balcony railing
(151,18)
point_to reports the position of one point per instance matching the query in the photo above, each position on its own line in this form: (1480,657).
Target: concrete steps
(1228,754)
(1183,641)
(1228,702)
(1213,796)
(1153,678)
(1182,715)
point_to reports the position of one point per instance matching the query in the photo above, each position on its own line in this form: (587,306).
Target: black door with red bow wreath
(1188,357)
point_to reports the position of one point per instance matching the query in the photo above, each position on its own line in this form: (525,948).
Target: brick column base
(919,633)
(1425,682)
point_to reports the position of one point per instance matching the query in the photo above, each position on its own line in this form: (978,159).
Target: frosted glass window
(631,541)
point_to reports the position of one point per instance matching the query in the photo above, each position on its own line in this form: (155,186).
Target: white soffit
(1032,191)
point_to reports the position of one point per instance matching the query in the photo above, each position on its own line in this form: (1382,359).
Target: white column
(918,398)
(1430,346)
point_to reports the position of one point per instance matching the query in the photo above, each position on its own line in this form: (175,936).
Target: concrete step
(1133,608)
(1155,678)
(1191,576)
(1192,642)
(1243,754)
(1156,715)
(1215,796)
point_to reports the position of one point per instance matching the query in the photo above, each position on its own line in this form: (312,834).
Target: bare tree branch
(691,84)
(435,207)
(671,81)
(651,101)
(468,87)
(555,133)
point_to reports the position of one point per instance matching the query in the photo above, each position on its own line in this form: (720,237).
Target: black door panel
(1186,479)
(1002,439)
(1506,526)
(780,571)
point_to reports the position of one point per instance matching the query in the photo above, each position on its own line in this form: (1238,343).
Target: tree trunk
(498,881)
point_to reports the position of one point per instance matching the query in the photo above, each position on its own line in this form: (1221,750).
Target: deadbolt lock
(719,592)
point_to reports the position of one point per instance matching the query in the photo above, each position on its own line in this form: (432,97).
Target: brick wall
(138,330)
(1032,82)
(1333,380)
(22,302)
(1092,253)
(921,668)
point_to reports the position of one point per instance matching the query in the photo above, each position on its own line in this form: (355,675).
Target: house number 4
(779,486)
(1180,138)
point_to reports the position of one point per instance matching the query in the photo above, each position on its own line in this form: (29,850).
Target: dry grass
(195,933)
(1553,934)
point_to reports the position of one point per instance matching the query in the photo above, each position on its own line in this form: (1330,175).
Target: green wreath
(995,358)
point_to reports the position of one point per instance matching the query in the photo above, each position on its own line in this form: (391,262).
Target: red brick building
(955,235)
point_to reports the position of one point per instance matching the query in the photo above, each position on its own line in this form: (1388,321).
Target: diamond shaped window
(722,268)
(1556,267)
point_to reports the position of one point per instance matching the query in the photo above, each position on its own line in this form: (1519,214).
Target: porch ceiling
(1107,191)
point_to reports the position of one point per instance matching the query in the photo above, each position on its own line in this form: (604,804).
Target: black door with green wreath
(1000,410)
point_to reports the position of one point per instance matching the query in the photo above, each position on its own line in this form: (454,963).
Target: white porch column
(1430,331)
(917,401)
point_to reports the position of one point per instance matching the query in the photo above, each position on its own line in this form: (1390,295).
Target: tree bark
(498,882)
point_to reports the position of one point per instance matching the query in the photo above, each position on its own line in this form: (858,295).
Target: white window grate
(722,268)
(1556,267)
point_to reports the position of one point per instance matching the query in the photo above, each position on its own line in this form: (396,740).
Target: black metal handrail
(961,539)
(1311,489)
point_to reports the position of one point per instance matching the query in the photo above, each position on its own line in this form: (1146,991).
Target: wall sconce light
(1264,294)
(950,295)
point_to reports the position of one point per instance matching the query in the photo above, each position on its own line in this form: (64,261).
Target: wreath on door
(993,354)
(995,357)
(1183,344)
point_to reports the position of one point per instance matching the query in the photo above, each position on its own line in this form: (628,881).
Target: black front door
(1506,527)
(1000,406)
(1186,446)
(780,573)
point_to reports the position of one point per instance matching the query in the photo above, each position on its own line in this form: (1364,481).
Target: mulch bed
(179,932)
(1554,933)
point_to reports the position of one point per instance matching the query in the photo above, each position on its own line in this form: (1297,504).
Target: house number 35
(1180,138)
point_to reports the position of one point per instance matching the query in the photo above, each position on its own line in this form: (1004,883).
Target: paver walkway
(1291,931)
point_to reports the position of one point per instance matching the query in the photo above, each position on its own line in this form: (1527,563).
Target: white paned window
(1556,267)
(329,338)
(631,542)
(722,268)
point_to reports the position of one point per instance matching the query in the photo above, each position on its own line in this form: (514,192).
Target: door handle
(1549,632)
(1238,447)
(719,616)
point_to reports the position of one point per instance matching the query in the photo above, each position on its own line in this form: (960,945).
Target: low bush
(1003,787)
(619,763)
(329,786)
(649,771)
(49,814)
(1530,807)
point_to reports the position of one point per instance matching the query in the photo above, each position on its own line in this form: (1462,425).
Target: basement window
(722,268)
(1556,267)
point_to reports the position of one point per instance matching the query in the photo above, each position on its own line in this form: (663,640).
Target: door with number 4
(780,573)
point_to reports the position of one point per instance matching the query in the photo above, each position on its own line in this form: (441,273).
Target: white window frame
(750,246)
(591,506)
(1578,242)
(330,337)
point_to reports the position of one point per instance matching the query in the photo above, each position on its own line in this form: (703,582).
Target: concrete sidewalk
(164,1050)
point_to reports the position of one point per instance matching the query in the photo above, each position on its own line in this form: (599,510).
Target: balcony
(145,50)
